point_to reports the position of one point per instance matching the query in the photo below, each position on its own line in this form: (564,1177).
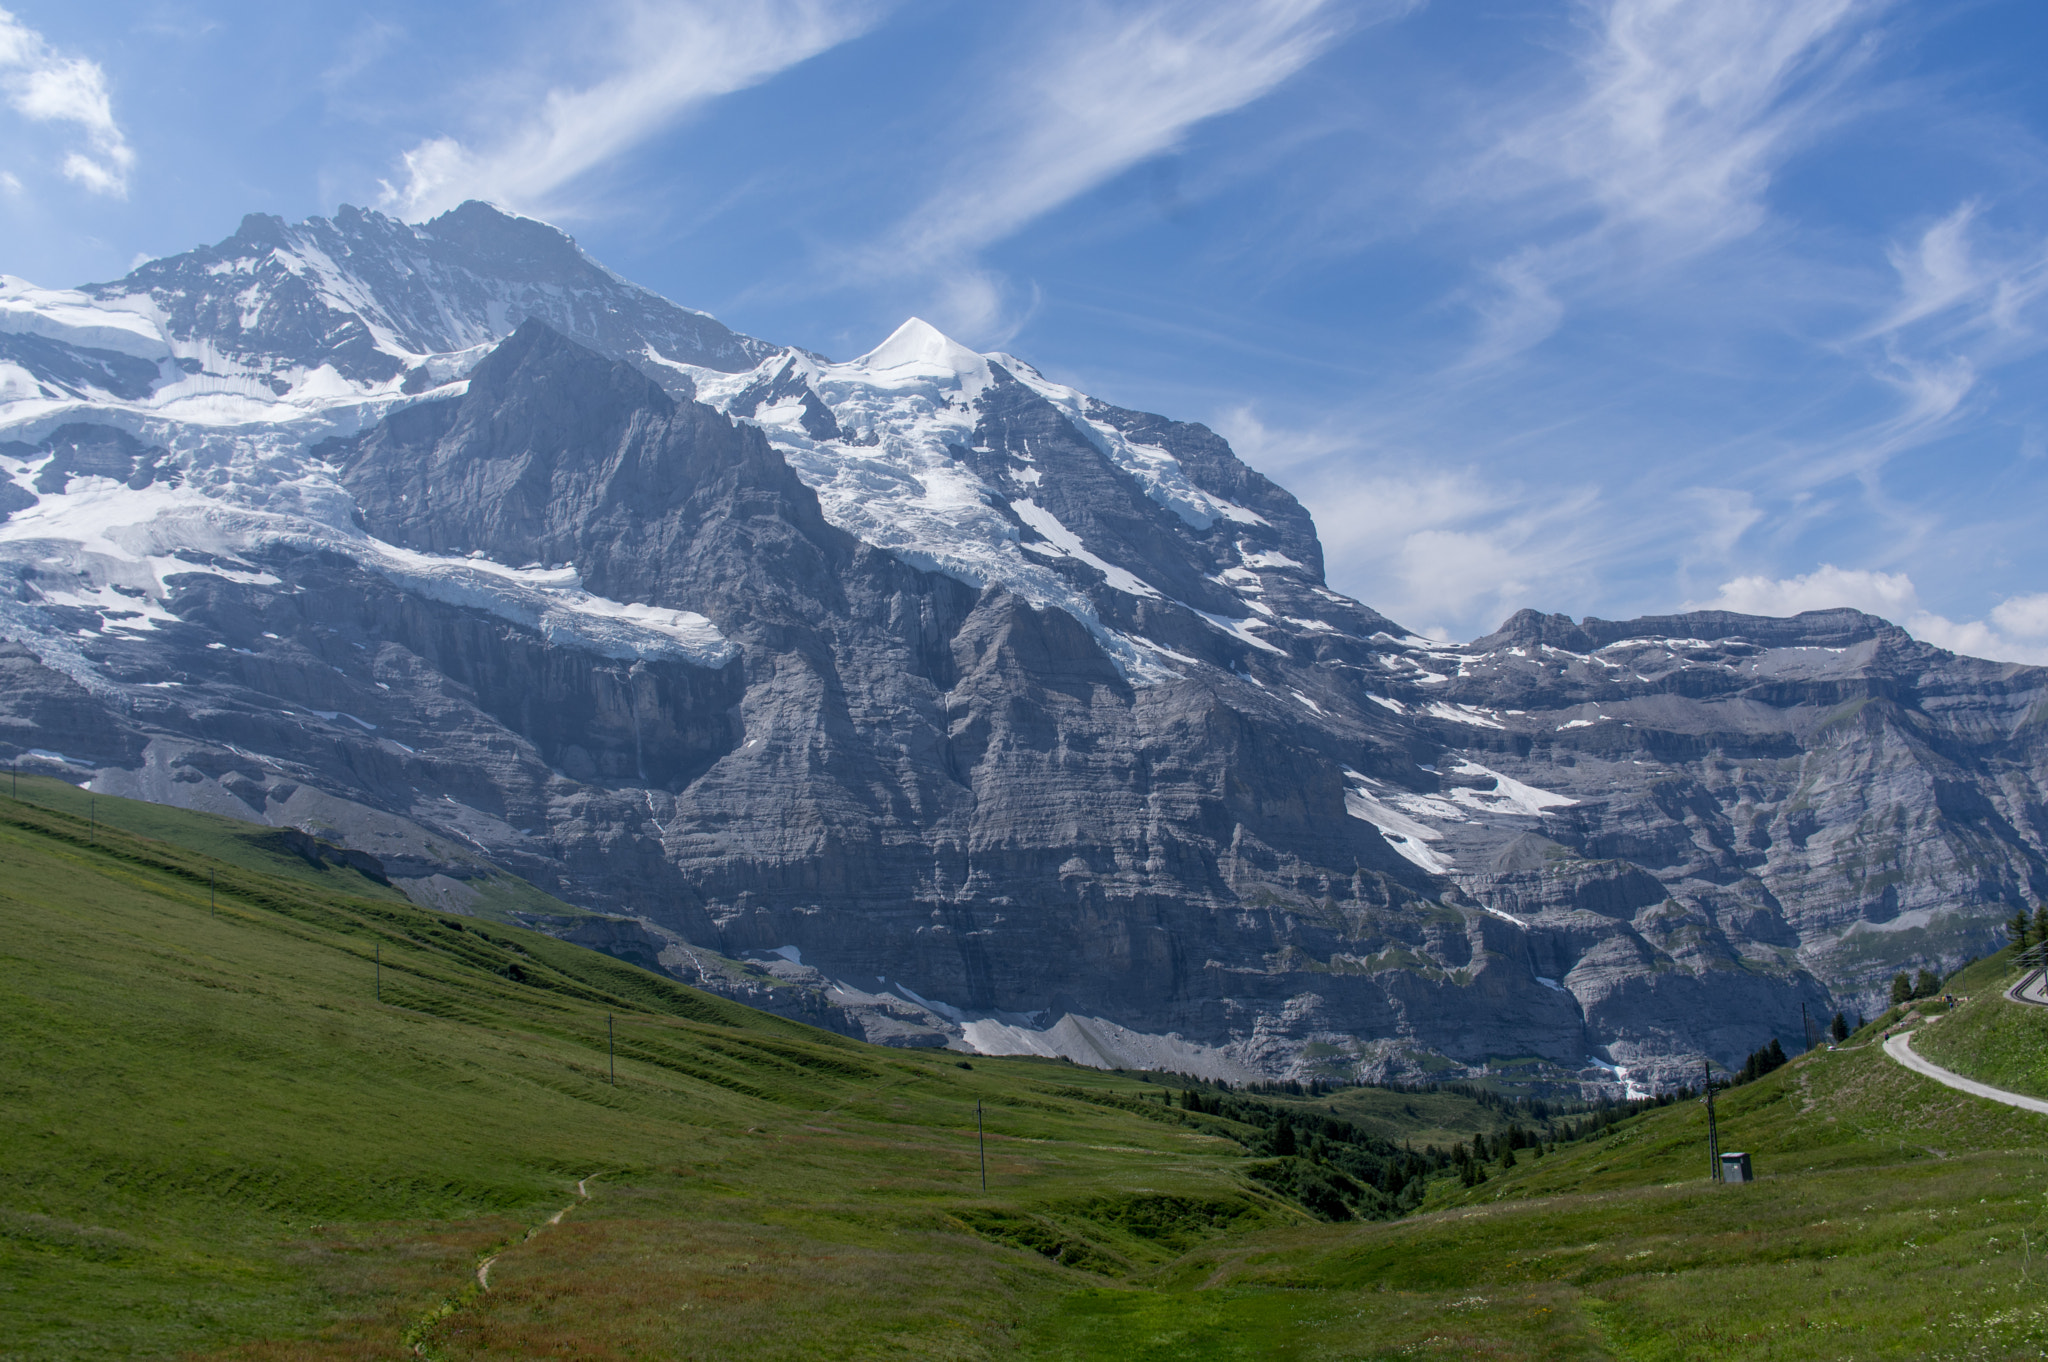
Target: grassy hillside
(1893,1219)
(230,842)
(275,851)
(219,1132)
(1987,1037)
(220,1142)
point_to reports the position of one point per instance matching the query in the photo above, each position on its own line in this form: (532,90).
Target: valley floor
(221,1141)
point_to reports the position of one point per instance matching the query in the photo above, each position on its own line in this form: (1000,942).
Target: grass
(228,841)
(216,1134)
(1927,1262)
(1422,1118)
(1988,1037)
(1893,1218)
(497,895)
(220,1142)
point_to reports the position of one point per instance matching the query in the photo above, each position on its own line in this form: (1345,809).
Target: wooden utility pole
(1713,1131)
(981,1140)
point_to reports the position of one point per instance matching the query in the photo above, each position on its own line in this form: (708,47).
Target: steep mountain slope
(980,711)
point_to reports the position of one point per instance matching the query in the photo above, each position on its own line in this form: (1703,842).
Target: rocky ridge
(931,699)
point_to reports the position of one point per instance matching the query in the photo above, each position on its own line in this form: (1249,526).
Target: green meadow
(219,1140)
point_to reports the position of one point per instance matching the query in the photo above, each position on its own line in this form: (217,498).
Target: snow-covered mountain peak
(920,346)
(235,361)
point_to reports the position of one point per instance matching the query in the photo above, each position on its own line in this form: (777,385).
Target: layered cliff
(966,707)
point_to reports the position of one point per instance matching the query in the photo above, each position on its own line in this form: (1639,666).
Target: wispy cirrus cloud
(1092,94)
(1959,292)
(668,59)
(1660,147)
(45,86)
(1966,303)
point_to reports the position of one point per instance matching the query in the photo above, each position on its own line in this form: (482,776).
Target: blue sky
(1607,308)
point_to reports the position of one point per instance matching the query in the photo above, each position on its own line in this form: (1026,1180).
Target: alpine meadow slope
(970,709)
(261,1106)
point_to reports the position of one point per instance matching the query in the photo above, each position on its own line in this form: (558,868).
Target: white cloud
(1962,309)
(671,58)
(1276,450)
(1935,274)
(1890,594)
(1690,108)
(1445,550)
(45,86)
(1719,516)
(1680,114)
(1101,89)
(1106,92)
(2023,616)
(1946,276)
(1517,307)
(2017,630)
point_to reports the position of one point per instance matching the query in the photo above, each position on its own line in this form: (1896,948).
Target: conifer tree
(1777,1054)
(1902,987)
(1927,984)
(1839,1028)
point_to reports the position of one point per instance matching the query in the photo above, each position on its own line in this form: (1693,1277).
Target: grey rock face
(1823,787)
(86,450)
(80,371)
(1121,779)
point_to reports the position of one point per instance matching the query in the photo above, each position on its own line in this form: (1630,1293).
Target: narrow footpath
(418,1339)
(1900,1048)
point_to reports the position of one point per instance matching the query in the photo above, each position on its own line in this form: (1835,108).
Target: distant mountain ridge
(974,709)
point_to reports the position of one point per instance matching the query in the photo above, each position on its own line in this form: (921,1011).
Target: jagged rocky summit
(929,699)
